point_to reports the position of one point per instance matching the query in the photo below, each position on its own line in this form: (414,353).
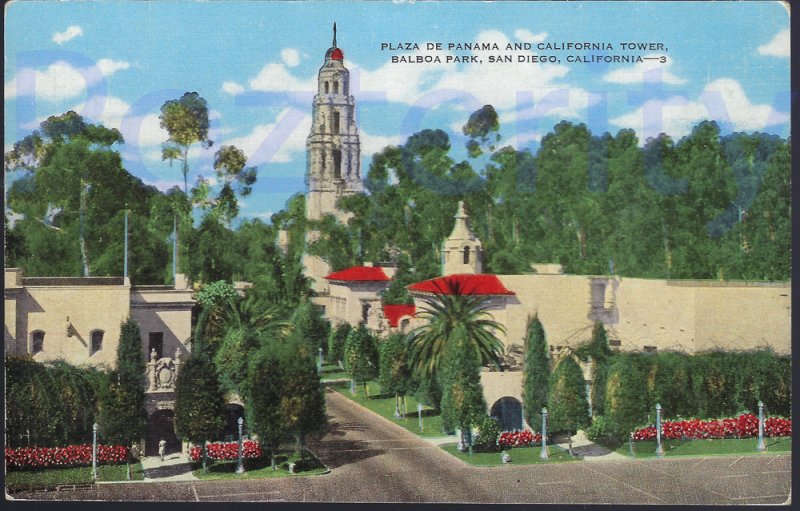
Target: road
(373,460)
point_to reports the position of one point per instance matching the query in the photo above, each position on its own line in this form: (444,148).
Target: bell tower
(333,166)
(462,251)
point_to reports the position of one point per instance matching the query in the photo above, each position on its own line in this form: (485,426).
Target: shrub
(489,432)
(599,432)
(69,456)
(227,451)
(626,395)
(537,372)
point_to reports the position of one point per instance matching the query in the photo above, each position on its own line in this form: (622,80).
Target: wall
(163,309)
(89,308)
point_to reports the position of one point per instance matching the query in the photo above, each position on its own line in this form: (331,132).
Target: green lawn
(384,406)
(332,372)
(519,456)
(260,468)
(647,448)
(51,477)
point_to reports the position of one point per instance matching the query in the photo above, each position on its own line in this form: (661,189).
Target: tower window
(37,341)
(97,341)
(337,164)
(327,88)
(323,160)
(336,87)
(336,117)
(156,343)
(466,255)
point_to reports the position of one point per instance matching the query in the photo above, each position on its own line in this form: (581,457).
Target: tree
(537,373)
(302,404)
(311,326)
(625,406)
(199,401)
(450,315)
(265,386)
(337,337)
(360,357)
(394,375)
(566,405)
(123,418)
(462,393)
(480,125)
(186,121)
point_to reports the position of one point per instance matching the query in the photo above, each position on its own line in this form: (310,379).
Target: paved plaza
(373,460)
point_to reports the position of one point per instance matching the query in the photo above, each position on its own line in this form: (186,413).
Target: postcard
(399,252)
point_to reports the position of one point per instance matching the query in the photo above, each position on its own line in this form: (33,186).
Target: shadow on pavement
(591,450)
(335,451)
(167,470)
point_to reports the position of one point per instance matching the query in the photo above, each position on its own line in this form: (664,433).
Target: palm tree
(453,317)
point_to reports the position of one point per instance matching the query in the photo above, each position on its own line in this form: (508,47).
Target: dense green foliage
(337,337)
(537,373)
(123,418)
(199,399)
(394,375)
(302,403)
(669,209)
(263,394)
(462,393)
(39,415)
(705,385)
(567,406)
(489,432)
(361,355)
(626,403)
(599,353)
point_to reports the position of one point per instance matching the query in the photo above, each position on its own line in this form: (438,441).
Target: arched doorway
(231,431)
(508,411)
(161,426)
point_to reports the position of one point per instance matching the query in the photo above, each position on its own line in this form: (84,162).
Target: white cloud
(778,47)
(60,80)
(164,184)
(290,57)
(526,36)
(144,131)
(649,71)
(71,32)
(107,110)
(275,77)
(232,88)
(276,142)
(108,67)
(371,144)
(722,100)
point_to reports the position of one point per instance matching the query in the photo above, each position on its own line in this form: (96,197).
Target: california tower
(333,152)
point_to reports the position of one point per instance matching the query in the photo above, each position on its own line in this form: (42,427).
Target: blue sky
(256,62)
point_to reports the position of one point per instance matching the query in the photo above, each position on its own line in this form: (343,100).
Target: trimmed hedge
(53,404)
(713,384)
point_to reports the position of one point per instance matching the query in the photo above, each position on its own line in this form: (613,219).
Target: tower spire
(334,34)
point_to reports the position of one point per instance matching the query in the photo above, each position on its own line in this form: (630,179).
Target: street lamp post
(659,447)
(761,447)
(419,414)
(545,454)
(240,466)
(319,362)
(94,452)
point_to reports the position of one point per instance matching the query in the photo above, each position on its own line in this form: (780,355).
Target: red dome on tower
(337,54)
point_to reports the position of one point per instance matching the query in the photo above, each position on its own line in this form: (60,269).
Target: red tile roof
(394,312)
(360,274)
(462,284)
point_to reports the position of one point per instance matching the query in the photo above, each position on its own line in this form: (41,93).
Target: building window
(466,255)
(97,341)
(614,342)
(650,349)
(365,308)
(37,342)
(337,164)
(336,87)
(336,129)
(327,88)
(156,342)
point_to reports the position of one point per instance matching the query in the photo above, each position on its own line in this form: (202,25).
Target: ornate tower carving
(462,251)
(333,152)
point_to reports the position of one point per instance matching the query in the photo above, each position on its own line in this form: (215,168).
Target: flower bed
(524,438)
(70,456)
(227,451)
(744,426)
